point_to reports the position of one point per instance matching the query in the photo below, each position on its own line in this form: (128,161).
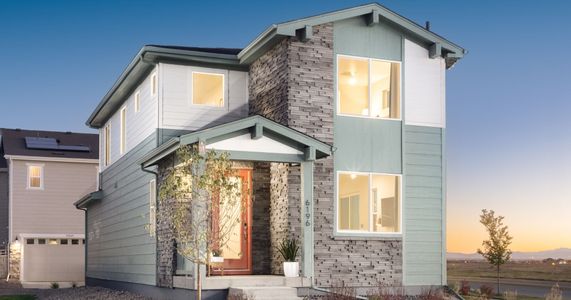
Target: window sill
(366,237)
(368,117)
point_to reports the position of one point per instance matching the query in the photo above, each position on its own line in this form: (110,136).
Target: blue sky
(508,101)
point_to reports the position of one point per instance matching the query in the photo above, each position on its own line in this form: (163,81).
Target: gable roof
(375,13)
(14,144)
(234,58)
(257,126)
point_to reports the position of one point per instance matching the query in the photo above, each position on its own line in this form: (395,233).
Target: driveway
(94,293)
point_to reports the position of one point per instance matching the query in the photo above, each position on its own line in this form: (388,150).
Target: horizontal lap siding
(119,246)
(423,206)
(51,209)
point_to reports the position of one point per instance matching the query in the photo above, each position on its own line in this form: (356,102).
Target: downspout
(85,245)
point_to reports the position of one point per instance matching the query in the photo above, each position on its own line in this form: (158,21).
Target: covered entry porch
(277,163)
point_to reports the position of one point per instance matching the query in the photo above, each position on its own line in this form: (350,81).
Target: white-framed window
(368,87)
(107,145)
(208,89)
(123,131)
(369,203)
(137,101)
(154,84)
(35,176)
(152,207)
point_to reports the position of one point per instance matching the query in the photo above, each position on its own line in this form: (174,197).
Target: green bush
(54,285)
(288,249)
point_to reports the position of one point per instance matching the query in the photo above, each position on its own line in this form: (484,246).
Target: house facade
(45,173)
(337,122)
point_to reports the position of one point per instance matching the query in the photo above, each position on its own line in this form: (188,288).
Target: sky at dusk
(509,100)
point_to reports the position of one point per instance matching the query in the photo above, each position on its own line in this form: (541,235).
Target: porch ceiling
(253,138)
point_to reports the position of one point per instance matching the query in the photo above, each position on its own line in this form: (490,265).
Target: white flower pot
(216,259)
(291,269)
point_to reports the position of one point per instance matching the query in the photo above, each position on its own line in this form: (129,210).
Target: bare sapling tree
(496,248)
(202,198)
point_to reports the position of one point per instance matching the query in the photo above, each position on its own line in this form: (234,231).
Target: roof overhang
(142,64)
(88,199)
(253,138)
(374,13)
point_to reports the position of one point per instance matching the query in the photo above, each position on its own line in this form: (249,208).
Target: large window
(154,84)
(208,89)
(123,131)
(368,202)
(107,144)
(35,176)
(368,87)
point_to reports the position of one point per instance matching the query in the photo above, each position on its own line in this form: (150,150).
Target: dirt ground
(93,293)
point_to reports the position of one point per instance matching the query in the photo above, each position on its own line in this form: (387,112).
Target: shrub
(288,249)
(554,293)
(510,295)
(431,294)
(54,285)
(384,292)
(341,292)
(464,288)
(486,290)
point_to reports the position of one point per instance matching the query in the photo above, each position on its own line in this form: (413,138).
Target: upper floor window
(154,84)
(35,176)
(107,144)
(368,87)
(368,203)
(152,207)
(208,89)
(123,131)
(137,102)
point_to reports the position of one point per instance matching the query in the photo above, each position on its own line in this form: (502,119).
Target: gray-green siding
(423,206)
(3,207)
(119,246)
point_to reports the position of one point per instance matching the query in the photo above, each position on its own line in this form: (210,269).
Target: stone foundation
(14,260)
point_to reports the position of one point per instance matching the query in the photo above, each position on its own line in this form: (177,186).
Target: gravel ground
(91,293)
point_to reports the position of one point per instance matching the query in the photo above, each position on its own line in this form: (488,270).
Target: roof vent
(427,25)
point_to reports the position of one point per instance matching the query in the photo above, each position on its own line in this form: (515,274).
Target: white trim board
(246,143)
(53,159)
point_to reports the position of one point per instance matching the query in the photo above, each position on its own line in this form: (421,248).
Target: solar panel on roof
(42,143)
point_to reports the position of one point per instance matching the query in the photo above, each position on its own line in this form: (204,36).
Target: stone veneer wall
(293,84)
(15,256)
(261,244)
(166,243)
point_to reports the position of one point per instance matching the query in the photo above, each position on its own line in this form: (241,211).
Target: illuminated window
(208,89)
(368,202)
(123,131)
(154,87)
(137,102)
(107,144)
(53,242)
(35,177)
(368,87)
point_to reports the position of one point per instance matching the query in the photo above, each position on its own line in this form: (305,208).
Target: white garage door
(53,260)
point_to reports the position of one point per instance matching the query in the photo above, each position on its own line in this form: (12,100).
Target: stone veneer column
(15,256)
(261,243)
(166,243)
(293,84)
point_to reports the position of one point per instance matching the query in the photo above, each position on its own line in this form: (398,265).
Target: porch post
(307,218)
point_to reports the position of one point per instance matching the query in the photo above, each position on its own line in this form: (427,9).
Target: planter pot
(291,269)
(216,259)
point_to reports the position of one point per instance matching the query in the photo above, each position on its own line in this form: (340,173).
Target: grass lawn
(535,270)
(18,297)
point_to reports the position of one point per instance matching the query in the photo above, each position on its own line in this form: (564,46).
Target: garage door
(53,260)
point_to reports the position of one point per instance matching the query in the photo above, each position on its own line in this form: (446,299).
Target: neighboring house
(337,123)
(41,174)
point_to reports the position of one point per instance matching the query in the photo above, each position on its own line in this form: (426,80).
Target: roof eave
(88,199)
(143,63)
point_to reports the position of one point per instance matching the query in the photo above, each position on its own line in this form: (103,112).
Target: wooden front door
(237,251)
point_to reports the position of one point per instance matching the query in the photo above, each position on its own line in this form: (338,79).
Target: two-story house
(45,173)
(336,123)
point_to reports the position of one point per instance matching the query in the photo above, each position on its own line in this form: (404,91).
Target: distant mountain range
(564,253)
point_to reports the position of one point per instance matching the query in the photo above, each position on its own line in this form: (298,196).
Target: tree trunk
(498,291)
(198,284)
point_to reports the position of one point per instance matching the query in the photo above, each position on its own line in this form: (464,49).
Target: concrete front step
(264,293)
